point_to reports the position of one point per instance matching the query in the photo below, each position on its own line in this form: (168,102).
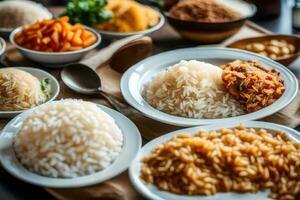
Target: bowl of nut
(281,48)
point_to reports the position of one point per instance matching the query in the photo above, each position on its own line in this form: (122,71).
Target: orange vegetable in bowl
(128,16)
(54,35)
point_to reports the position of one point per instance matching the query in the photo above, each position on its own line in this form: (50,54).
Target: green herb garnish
(87,12)
(160,5)
(46,87)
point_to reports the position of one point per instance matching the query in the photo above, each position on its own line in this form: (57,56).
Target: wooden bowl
(206,32)
(292,39)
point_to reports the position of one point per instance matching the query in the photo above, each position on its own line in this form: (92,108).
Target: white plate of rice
(22,91)
(152,192)
(68,143)
(144,83)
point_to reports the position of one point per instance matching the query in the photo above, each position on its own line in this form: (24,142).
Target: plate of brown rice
(68,143)
(253,160)
(184,87)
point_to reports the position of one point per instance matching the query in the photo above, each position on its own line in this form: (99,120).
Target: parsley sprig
(87,12)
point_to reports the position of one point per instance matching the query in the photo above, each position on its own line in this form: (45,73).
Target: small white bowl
(2,46)
(40,75)
(108,35)
(54,59)
(131,146)
(152,192)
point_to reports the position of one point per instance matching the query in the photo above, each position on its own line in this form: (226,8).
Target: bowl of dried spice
(209,21)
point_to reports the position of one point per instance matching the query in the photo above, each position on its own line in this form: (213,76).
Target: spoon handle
(106,53)
(118,105)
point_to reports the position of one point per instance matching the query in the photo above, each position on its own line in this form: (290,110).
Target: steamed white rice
(191,89)
(68,138)
(15,13)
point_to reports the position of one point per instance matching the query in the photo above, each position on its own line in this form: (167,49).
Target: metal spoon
(86,81)
(82,77)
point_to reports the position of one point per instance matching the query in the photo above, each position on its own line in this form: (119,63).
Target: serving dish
(27,7)
(107,35)
(151,192)
(132,144)
(2,46)
(40,75)
(291,39)
(54,59)
(5,32)
(138,75)
(206,32)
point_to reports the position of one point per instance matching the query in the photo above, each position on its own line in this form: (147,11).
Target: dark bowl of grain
(209,21)
(282,48)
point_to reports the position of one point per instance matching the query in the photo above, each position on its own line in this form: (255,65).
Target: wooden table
(165,39)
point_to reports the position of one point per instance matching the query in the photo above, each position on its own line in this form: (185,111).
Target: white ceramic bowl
(134,79)
(40,75)
(108,36)
(151,192)
(2,46)
(54,59)
(131,146)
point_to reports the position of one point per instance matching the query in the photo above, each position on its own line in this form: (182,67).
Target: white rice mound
(15,13)
(19,90)
(68,138)
(191,89)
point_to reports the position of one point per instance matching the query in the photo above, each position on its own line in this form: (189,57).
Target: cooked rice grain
(191,89)
(68,138)
(228,160)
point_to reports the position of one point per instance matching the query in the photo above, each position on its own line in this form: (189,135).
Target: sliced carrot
(76,40)
(46,40)
(70,36)
(55,37)
(47,21)
(89,41)
(64,19)
(76,27)
(66,47)
(87,34)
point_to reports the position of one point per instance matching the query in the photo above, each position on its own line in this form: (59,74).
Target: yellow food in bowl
(129,16)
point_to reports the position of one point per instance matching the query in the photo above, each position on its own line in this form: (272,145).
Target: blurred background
(279,16)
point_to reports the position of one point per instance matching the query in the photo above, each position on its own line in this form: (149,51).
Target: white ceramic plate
(151,192)
(132,144)
(40,75)
(2,46)
(134,79)
(107,35)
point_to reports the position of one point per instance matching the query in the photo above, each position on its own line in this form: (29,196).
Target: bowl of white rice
(184,87)
(68,143)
